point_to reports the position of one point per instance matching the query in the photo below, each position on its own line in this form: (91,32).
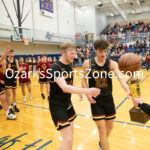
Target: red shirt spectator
(125,47)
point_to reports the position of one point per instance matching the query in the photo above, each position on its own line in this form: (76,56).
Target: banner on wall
(46,8)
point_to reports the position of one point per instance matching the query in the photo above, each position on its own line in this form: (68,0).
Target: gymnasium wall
(94,20)
(101,21)
(64,20)
(89,19)
(4,18)
(79,28)
(32,49)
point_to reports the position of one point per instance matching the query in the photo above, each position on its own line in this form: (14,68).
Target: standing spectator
(147,61)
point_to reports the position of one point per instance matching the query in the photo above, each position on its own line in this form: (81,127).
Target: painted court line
(87,116)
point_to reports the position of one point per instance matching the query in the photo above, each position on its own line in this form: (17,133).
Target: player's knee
(68,139)
(110,126)
(102,131)
(8,94)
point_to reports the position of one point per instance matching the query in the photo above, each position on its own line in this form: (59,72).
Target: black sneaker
(15,108)
(43,96)
(1,107)
(100,146)
(11,111)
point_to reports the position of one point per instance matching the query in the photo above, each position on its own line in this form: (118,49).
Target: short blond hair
(67,45)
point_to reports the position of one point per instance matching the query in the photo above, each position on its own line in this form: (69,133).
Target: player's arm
(5,54)
(84,79)
(85,72)
(75,90)
(4,69)
(114,67)
(39,65)
(17,66)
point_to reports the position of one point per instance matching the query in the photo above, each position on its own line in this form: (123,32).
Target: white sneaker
(11,116)
(30,96)
(24,99)
(100,146)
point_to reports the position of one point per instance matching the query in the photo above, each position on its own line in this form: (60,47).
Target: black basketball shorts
(103,109)
(62,115)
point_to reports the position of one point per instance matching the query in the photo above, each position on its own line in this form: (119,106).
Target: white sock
(7,112)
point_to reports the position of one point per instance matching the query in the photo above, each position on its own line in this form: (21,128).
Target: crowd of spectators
(130,28)
(84,53)
(117,48)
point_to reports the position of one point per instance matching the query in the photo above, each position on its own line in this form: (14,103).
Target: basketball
(129,62)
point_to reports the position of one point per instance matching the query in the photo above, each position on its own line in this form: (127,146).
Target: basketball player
(61,85)
(9,114)
(102,107)
(43,65)
(24,79)
(11,80)
(138,102)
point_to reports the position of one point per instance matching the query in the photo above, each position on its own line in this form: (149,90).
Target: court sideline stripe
(87,116)
(91,117)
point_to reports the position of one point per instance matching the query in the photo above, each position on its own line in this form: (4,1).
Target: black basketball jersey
(13,66)
(56,93)
(98,77)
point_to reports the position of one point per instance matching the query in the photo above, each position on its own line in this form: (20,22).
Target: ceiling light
(83,7)
(133,12)
(111,14)
(99,3)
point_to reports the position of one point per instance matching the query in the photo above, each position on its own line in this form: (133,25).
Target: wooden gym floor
(34,128)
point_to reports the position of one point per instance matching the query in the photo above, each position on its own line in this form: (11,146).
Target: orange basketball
(129,62)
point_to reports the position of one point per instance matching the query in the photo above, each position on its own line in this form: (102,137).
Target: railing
(45,36)
(37,36)
(16,34)
(127,37)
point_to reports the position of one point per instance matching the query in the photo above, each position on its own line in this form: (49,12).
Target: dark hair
(101,44)
(11,51)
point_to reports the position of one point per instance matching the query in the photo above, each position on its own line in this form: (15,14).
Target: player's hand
(90,99)
(136,101)
(8,49)
(129,94)
(93,92)
(2,82)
